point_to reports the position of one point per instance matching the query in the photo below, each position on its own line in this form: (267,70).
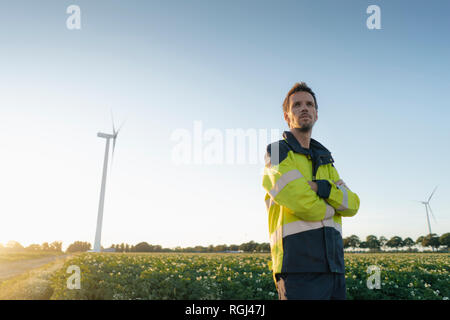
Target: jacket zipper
(316,167)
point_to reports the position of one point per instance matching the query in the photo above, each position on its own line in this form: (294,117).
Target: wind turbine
(108,137)
(427,206)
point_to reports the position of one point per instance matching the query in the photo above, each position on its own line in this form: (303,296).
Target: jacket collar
(316,147)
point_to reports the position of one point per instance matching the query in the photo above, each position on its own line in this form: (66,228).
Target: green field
(242,276)
(196,276)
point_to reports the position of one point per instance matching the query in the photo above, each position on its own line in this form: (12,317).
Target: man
(306,200)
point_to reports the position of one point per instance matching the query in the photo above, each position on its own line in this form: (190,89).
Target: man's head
(300,107)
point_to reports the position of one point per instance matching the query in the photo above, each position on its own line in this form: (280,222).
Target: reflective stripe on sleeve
(344,205)
(284,180)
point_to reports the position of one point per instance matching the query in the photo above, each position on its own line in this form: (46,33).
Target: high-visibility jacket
(305,227)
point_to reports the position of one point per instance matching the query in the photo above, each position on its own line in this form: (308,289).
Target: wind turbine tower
(108,137)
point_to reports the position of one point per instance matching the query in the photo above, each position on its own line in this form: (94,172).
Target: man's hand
(313,185)
(341,182)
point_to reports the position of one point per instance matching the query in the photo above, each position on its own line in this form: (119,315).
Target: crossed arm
(309,200)
(346,207)
(314,186)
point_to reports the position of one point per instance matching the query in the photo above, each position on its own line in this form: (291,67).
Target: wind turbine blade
(121,125)
(432,214)
(114,140)
(112,119)
(432,194)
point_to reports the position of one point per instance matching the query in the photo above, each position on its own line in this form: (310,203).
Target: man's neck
(302,137)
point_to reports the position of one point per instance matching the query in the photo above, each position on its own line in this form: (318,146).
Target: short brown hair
(302,86)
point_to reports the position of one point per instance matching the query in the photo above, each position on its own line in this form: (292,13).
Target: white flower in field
(410,285)
(229,279)
(271,293)
(445,298)
(258,289)
(117,296)
(199,278)
(354,277)
(396,286)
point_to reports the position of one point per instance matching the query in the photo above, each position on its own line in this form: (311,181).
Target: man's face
(302,113)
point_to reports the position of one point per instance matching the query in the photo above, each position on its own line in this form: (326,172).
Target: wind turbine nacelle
(105,135)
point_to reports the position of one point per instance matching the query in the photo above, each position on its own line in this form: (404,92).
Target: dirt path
(11,269)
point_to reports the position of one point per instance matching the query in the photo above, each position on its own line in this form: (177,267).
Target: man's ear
(286,118)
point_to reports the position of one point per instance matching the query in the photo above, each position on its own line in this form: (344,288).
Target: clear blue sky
(383,99)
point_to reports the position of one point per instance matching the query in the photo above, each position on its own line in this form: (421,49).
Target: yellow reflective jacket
(305,227)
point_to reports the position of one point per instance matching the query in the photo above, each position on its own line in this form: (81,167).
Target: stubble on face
(305,128)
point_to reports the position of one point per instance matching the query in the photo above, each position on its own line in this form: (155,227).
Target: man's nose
(303,107)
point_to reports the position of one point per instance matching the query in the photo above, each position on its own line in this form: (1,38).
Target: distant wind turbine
(427,206)
(98,232)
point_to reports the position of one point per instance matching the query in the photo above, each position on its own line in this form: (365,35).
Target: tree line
(145,247)
(82,246)
(372,243)
(378,244)
(14,246)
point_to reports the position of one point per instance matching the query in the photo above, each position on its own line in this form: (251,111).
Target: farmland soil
(14,268)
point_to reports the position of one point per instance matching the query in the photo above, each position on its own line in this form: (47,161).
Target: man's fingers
(313,185)
(341,182)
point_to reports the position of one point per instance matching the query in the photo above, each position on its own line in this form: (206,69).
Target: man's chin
(305,128)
